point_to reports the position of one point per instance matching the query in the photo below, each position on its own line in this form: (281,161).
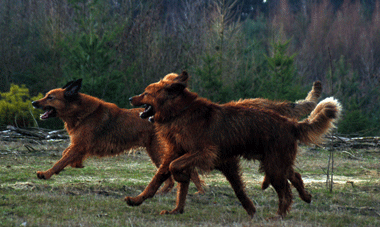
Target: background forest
(232,49)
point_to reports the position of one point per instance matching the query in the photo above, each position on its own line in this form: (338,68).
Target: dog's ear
(176,88)
(71,91)
(68,84)
(182,78)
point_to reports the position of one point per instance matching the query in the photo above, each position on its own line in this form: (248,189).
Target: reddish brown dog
(98,128)
(197,133)
(285,108)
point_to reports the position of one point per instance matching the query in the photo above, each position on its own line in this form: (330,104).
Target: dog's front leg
(182,176)
(181,199)
(194,176)
(161,175)
(69,157)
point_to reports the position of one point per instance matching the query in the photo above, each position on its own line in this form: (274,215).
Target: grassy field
(93,196)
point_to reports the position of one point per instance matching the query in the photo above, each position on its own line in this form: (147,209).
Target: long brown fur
(92,135)
(287,109)
(99,128)
(197,133)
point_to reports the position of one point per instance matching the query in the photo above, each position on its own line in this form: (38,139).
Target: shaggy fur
(197,133)
(99,128)
(285,108)
(127,131)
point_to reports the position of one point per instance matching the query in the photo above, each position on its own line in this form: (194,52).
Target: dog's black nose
(130,99)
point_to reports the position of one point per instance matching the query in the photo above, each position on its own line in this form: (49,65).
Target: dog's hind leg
(231,170)
(296,180)
(280,183)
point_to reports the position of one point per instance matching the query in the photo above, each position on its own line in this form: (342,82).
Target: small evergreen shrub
(16,107)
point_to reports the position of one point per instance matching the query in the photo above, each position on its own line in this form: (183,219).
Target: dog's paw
(306,197)
(175,211)
(131,201)
(42,175)
(164,212)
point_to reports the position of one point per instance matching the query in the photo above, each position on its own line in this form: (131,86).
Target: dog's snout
(130,99)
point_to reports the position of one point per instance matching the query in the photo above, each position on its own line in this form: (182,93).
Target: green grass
(93,196)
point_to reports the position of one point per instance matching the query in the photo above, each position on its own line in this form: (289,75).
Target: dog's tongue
(46,115)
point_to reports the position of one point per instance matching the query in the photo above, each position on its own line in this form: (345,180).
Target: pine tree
(210,84)
(281,82)
(90,53)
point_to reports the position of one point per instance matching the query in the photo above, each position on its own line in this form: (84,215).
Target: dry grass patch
(93,196)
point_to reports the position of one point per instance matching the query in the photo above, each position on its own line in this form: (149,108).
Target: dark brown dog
(197,133)
(98,128)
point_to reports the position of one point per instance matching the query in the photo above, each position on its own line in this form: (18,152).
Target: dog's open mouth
(49,113)
(148,112)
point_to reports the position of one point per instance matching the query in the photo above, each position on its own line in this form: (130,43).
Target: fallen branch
(27,132)
(351,155)
(355,142)
(31,135)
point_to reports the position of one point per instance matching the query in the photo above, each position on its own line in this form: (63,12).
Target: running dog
(199,134)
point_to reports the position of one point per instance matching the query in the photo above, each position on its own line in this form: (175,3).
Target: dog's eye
(50,98)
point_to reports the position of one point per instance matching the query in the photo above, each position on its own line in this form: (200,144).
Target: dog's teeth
(44,115)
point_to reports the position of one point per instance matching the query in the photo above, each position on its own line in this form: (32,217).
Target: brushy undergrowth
(93,196)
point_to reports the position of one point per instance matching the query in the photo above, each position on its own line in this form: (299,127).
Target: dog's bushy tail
(315,92)
(319,122)
(304,107)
